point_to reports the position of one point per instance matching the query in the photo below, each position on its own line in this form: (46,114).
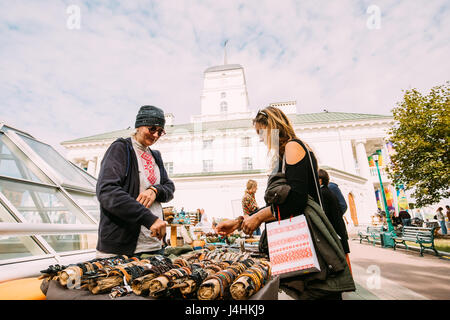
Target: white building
(211,158)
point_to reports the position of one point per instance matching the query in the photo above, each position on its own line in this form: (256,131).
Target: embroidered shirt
(149,175)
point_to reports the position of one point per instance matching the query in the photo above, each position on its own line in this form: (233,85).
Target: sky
(70,69)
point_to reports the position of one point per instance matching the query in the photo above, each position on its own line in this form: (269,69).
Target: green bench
(418,235)
(372,234)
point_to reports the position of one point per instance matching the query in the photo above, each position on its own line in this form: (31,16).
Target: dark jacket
(404,215)
(121,216)
(337,192)
(334,275)
(277,189)
(334,213)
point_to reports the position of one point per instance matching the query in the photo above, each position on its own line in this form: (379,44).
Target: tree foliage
(420,137)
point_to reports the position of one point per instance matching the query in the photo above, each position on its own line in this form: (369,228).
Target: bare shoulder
(294,152)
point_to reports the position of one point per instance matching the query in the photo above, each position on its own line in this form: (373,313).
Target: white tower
(224,95)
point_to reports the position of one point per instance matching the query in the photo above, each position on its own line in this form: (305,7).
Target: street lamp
(388,217)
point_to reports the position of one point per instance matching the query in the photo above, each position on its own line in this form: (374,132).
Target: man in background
(337,192)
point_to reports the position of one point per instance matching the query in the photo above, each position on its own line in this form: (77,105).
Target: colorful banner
(389,198)
(402,199)
(378,197)
(371,162)
(380,158)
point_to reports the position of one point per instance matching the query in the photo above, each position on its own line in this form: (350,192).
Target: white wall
(215,195)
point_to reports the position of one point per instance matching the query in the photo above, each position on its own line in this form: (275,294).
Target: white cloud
(61,84)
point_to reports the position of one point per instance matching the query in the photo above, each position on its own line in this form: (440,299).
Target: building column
(361,156)
(98,164)
(91,166)
(369,205)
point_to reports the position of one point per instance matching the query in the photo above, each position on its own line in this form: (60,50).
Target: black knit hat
(150,116)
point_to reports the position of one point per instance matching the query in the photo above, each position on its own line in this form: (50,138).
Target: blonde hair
(251,184)
(275,119)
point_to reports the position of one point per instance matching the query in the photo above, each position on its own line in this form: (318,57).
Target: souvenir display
(216,286)
(250,281)
(78,273)
(205,274)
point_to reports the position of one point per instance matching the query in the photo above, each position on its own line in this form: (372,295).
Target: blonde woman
(276,131)
(249,204)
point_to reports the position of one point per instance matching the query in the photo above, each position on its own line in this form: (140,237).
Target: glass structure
(44,200)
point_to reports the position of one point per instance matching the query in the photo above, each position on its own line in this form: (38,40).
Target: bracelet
(154,189)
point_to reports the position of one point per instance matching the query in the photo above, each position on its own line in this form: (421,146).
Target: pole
(225,52)
(388,216)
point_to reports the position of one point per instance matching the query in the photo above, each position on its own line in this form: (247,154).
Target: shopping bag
(291,249)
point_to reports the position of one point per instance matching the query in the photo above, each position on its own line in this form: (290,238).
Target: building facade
(211,158)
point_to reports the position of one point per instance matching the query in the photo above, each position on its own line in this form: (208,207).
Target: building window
(223,106)
(245,142)
(169,167)
(207,143)
(207,165)
(247,163)
(223,95)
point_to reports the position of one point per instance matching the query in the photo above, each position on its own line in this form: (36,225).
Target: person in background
(131,186)
(337,192)
(440,217)
(418,214)
(448,212)
(249,204)
(405,218)
(333,211)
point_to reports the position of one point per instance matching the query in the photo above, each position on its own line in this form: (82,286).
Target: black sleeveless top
(302,182)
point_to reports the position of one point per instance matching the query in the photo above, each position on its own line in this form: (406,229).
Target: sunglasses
(262,113)
(154,129)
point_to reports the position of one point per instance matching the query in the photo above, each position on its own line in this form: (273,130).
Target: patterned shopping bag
(291,249)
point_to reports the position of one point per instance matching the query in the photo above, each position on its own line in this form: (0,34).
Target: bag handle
(279,216)
(312,168)
(316,178)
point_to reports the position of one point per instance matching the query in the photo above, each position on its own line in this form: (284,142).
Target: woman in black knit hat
(131,186)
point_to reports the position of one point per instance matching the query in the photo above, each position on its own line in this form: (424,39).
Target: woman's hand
(251,223)
(146,198)
(226,227)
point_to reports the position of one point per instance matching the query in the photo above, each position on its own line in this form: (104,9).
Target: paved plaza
(385,274)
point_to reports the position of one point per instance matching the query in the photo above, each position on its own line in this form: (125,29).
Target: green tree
(420,137)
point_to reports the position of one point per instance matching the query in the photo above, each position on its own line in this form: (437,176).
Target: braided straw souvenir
(216,286)
(250,281)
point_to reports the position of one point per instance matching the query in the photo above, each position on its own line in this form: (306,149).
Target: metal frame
(35,231)
(21,219)
(58,189)
(51,174)
(41,163)
(32,229)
